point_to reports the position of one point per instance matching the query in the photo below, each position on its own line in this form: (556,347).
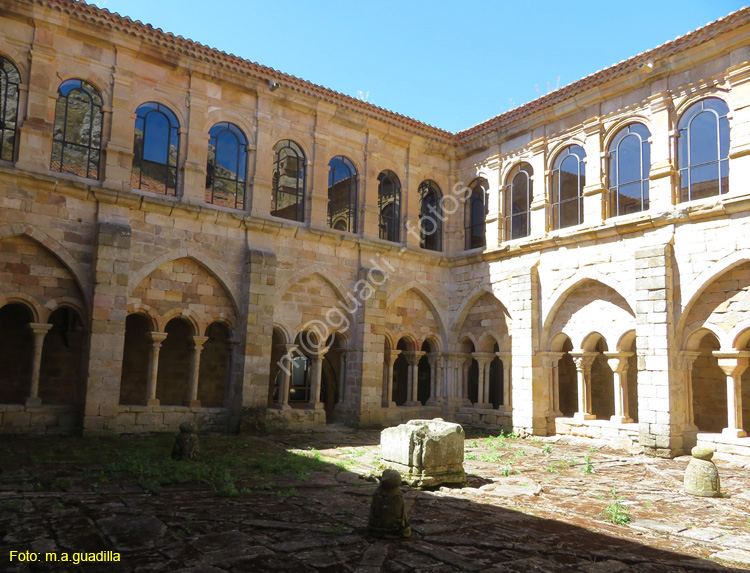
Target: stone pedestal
(426,453)
(701,475)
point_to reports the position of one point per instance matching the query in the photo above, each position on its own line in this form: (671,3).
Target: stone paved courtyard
(299,502)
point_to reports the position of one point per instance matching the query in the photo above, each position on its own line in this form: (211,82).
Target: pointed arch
(321,272)
(427,296)
(463,310)
(195,254)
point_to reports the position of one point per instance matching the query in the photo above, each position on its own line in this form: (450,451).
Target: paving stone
(733,556)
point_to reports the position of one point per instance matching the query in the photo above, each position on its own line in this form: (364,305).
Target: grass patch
(615,511)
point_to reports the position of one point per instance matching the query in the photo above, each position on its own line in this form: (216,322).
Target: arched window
(10,79)
(77,139)
(227,166)
(703,150)
(288,181)
(156,149)
(389,206)
(475,210)
(568,180)
(430,216)
(518,196)
(629,164)
(342,195)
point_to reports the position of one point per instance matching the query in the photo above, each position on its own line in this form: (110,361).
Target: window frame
(138,158)
(556,182)
(350,219)
(240,180)
(394,219)
(8,69)
(522,168)
(478,199)
(614,167)
(428,188)
(300,180)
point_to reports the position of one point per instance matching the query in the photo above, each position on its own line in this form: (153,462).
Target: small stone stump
(388,517)
(701,475)
(186,443)
(427,453)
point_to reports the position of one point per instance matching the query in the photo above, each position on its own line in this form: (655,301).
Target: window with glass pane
(567,181)
(703,150)
(227,166)
(342,195)
(431,216)
(10,79)
(77,137)
(518,196)
(288,201)
(474,213)
(299,386)
(389,206)
(156,149)
(629,163)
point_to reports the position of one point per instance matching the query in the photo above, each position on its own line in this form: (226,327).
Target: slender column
(342,373)
(288,352)
(583,362)
(466,372)
(317,373)
(550,363)
(505,358)
(198,342)
(436,379)
(390,359)
(733,364)
(484,359)
(686,360)
(39,330)
(412,357)
(153,367)
(618,362)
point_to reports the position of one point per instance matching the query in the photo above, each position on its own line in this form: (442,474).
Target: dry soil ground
(299,502)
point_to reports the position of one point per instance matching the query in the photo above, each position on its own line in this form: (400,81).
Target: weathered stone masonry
(605,296)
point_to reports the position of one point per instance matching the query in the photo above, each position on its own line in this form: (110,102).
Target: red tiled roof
(168,41)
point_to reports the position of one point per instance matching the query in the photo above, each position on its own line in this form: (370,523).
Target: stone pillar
(286,376)
(507,405)
(618,362)
(342,373)
(321,156)
(663,174)
(584,361)
(39,330)
(436,390)
(412,357)
(733,364)
(594,193)
(390,359)
(109,311)
(153,367)
(538,219)
(686,360)
(198,342)
(662,409)
(262,178)
(118,151)
(484,359)
(550,362)
(465,375)
(194,142)
(316,376)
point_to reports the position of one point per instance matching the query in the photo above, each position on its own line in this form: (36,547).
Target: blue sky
(450,64)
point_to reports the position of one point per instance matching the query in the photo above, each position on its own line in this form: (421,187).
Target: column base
(583,416)
(621,420)
(315,406)
(33,402)
(412,403)
(734,433)
(193,403)
(153,402)
(389,405)
(483,405)
(280,406)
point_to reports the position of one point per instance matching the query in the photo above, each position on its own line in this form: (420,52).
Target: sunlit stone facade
(188,236)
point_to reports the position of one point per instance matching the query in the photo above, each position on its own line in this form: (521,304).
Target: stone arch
(691,97)
(483,315)
(467,305)
(184,288)
(705,281)
(411,312)
(582,305)
(322,272)
(76,269)
(554,150)
(622,123)
(694,335)
(75,72)
(199,256)
(428,297)
(313,303)
(38,312)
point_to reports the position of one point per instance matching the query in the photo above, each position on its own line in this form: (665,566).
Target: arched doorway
(496,381)
(424,374)
(567,380)
(16,353)
(602,383)
(401,373)
(62,355)
(709,388)
(175,363)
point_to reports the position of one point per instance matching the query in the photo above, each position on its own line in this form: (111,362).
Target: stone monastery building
(186,235)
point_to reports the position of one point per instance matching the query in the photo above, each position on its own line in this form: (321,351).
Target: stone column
(550,362)
(412,357)
(733,364)
(342,373)
(618,362)
(686,360)
(316,376)
(390,359)
(39,330)
(435,380)
(198,342)
(505,359)
(465,375)
(484,359)
(583,362)
(286,375)
(153,367)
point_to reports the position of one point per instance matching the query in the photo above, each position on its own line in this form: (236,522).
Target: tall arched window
(227,166)
(77,139)
(518,196)
(431,216)
(288,181)
(389,206)
(10,79)
(629,164)
(475,210)
(156,149)
(342,195)
(568,180)
(703,149)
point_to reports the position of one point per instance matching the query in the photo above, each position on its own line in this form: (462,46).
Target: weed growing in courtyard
(494,458)
(588,467)
(547,449)
(615,511)
(508,470)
